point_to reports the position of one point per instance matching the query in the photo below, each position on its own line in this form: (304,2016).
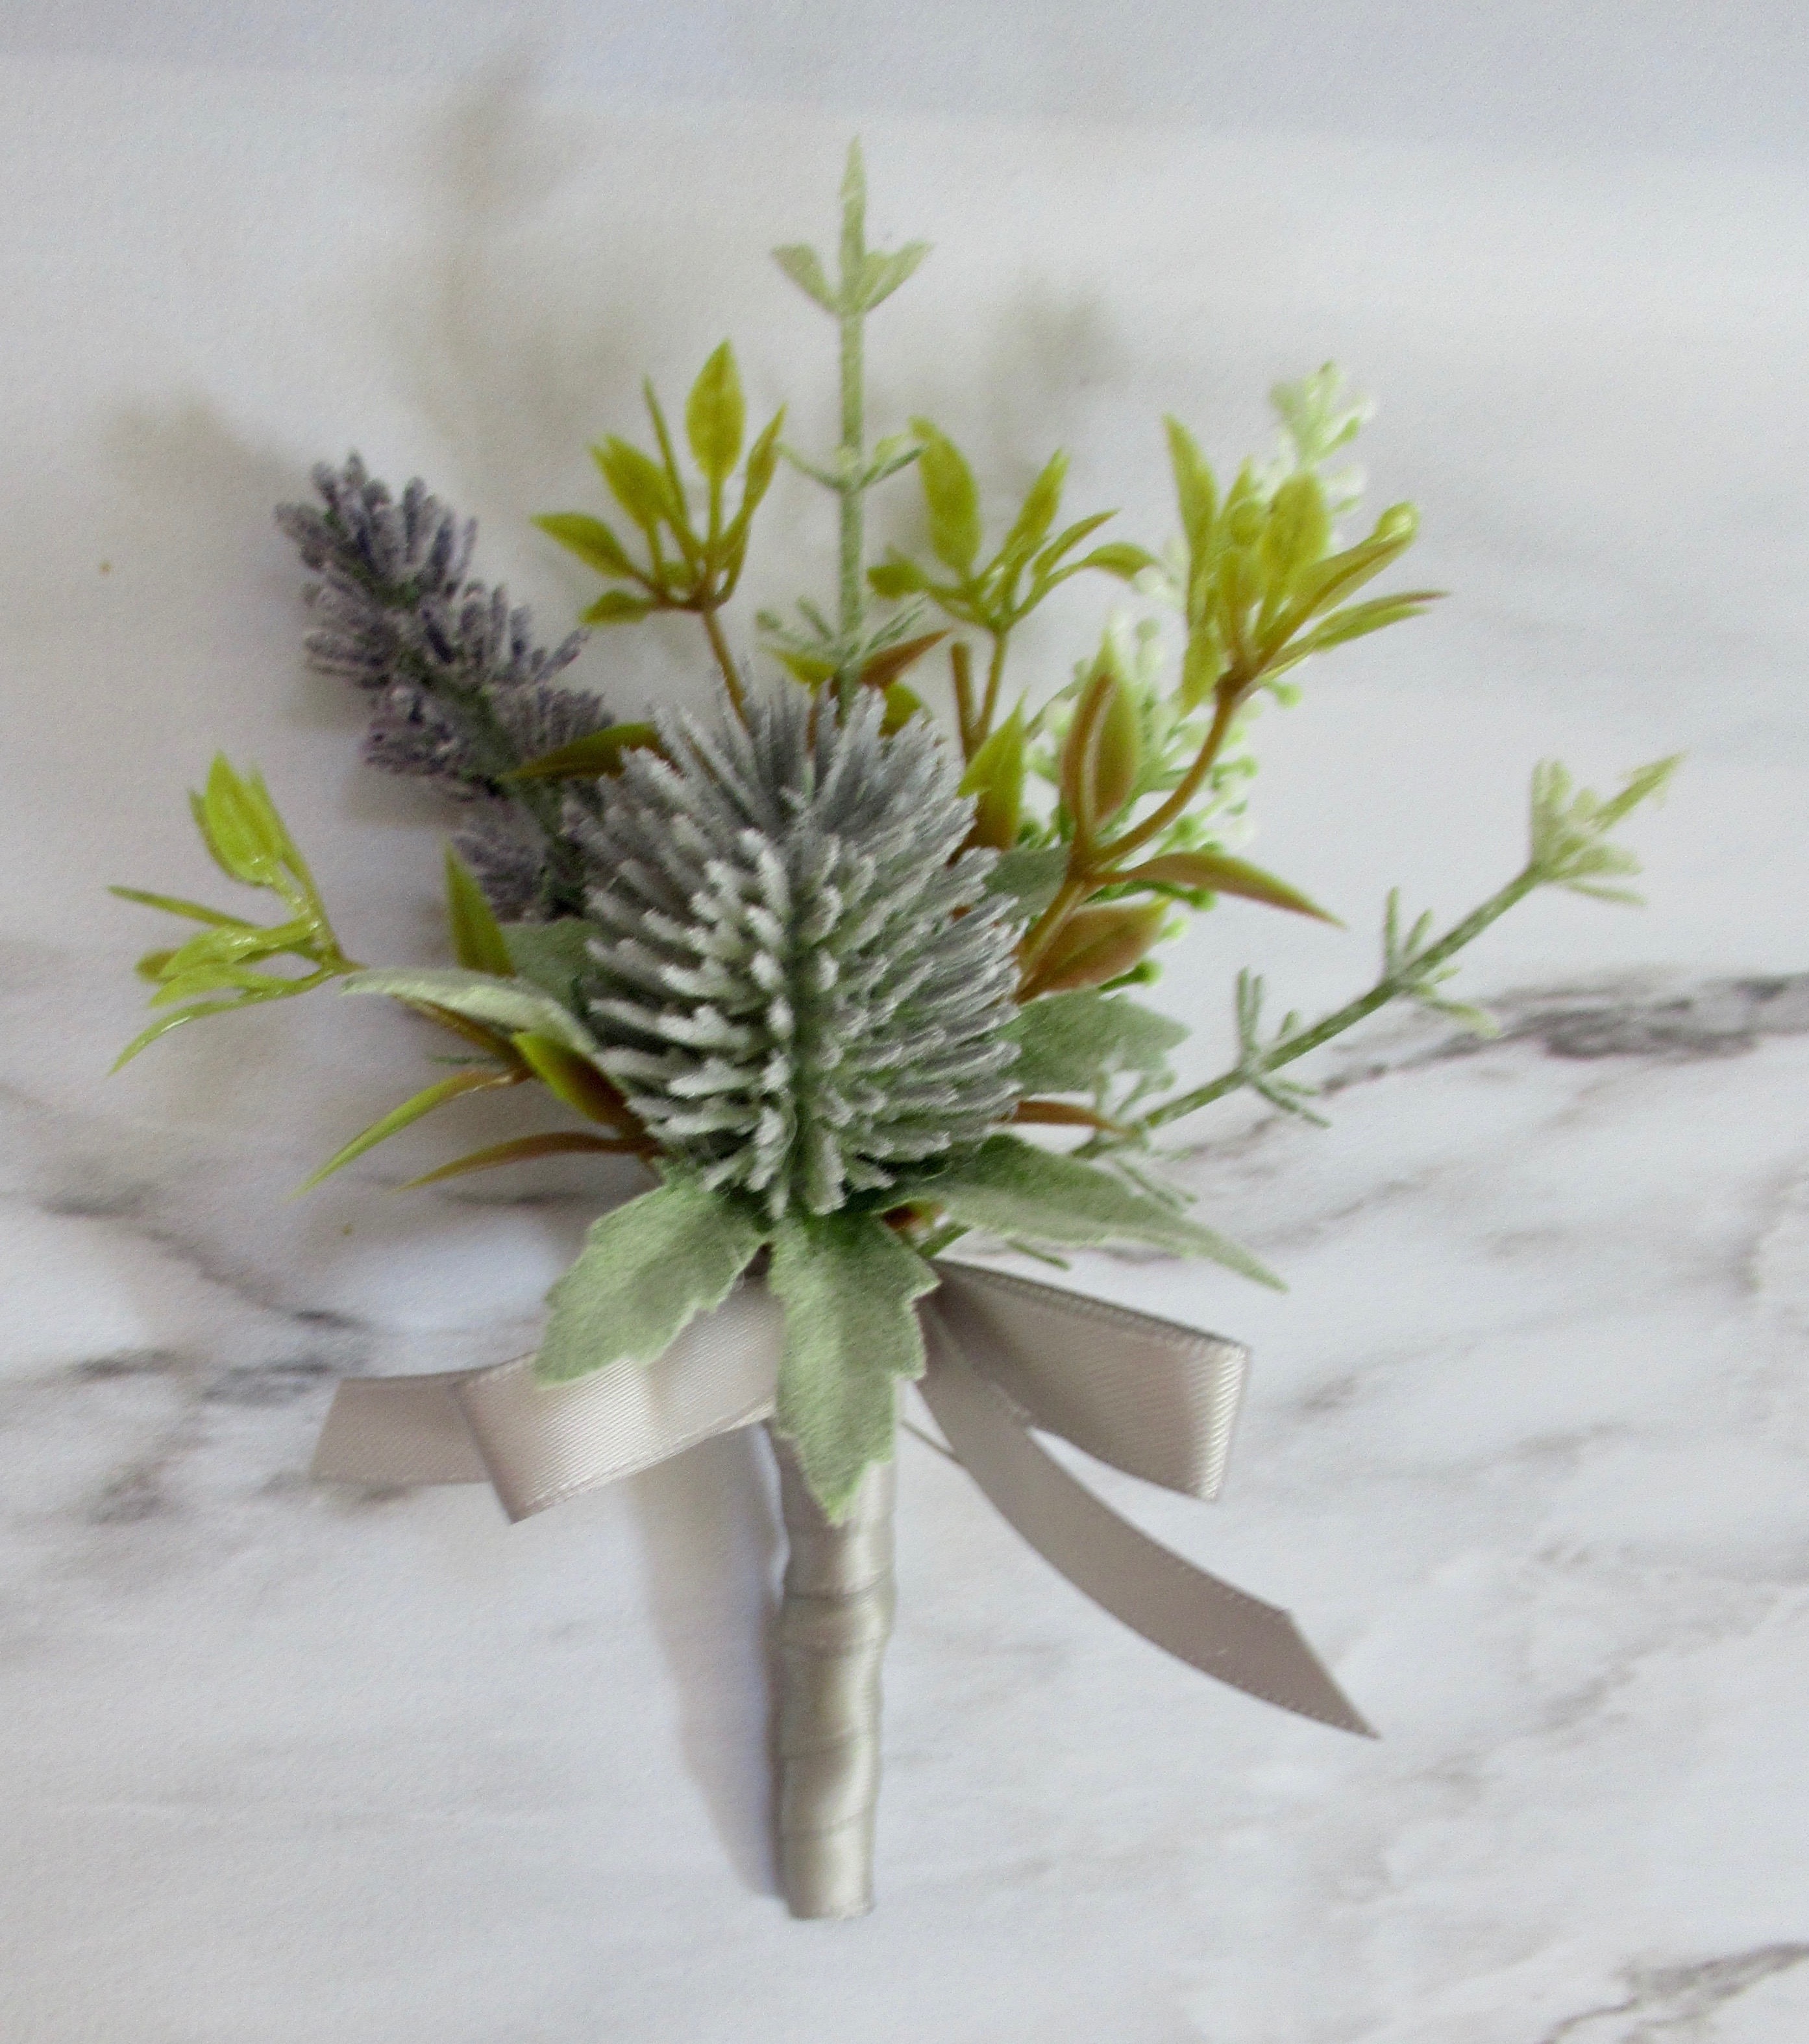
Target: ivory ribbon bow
(1004,1355)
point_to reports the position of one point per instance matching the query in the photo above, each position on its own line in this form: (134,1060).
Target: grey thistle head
(801,980)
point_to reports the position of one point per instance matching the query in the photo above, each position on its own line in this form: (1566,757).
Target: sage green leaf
(848,1284)
(646,1270)
(1031,874)
(552,955)
(477,937)
(475,1079)
(715,416)
(804,268)
(951,496)
(588,758)
(638,484)
(1014,1188)
(881,275)
(506,1004)
(590,539)
(1073,1043)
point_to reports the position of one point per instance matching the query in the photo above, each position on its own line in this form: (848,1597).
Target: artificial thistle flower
(800,979)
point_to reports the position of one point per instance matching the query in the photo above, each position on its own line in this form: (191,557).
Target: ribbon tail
(1232,1637)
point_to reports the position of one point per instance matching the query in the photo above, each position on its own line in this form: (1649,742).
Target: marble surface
(1526,1441)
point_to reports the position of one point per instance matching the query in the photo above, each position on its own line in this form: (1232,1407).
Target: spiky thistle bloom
(800,977)
(463,694)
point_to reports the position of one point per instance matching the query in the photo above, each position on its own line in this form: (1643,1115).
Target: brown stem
(960,663)
(1187,788)
(995,675)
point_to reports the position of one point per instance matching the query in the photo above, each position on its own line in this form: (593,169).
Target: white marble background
(1527,1440)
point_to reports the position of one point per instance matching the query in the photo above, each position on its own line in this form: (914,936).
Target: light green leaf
(1041,501)
(951,496)
(1121,558)
(1196,489)
(590,539)
(995,776)
(1014,1188)
(638,483)
(897,577)
(848,1283)
(173,905)
(506,1003)
(240,825)
(1032,875)
(1073,1043)
(553,955)
(646,1271)
(804,268)
(1065,542)
(477,937)
(715,416)
(616,606)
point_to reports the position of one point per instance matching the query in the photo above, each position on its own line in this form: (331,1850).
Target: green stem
(995,674)
(854,423)
(1384,990)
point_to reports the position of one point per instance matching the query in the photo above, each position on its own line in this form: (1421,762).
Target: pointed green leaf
(1065,541)
(1223,875)
(477,937)
(236,826)
(475,1079)
(174,906)
(715,416)
(804,268)
(1356,621)
(593,541)
(1073,1043)
(646,1270)
(881,275)
(848,1284)
(1011,1188)
(1196,492)
(1041,501)
(589,758)
(165,1023)
(951,496)
(521,1150)
(576,1081)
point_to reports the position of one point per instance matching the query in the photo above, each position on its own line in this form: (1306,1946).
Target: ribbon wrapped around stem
(1004,1356)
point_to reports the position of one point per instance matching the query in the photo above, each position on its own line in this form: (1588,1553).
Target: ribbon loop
(1152,1398)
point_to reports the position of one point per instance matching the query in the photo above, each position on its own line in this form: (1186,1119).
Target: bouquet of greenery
(847,984)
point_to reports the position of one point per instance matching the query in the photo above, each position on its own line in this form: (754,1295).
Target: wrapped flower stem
(834,1623)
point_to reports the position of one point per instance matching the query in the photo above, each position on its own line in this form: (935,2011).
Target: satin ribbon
(1004,1356)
